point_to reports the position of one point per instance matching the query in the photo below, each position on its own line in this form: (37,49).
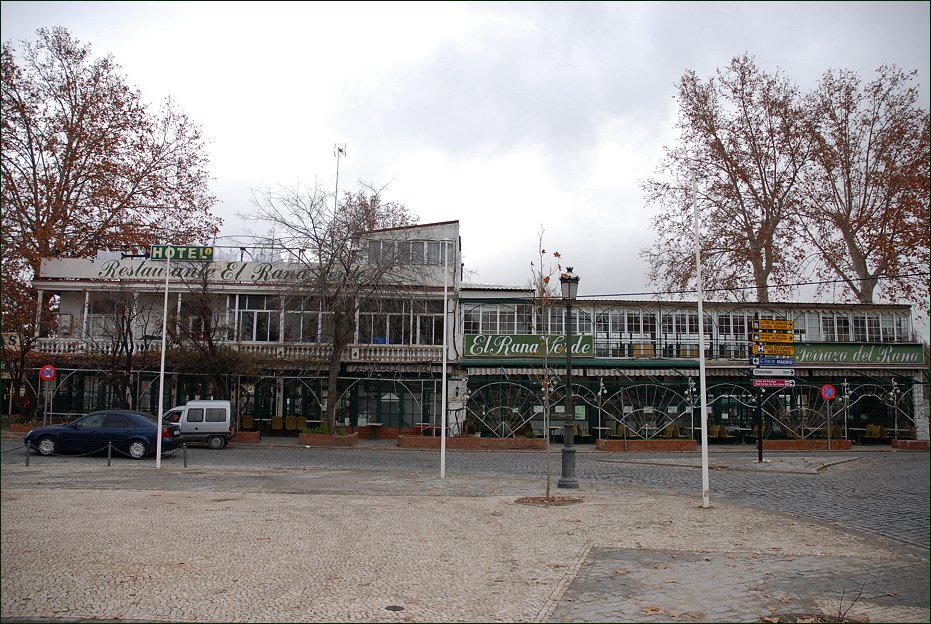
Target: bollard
(27,454)
(109,447)
(184,454)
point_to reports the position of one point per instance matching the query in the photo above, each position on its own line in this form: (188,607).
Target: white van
(208,422)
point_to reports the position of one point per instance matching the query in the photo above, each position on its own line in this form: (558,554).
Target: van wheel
(216,442)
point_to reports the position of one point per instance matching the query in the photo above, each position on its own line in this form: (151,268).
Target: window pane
(433,253)
(417,252)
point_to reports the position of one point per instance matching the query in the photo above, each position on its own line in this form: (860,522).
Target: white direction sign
(773,372)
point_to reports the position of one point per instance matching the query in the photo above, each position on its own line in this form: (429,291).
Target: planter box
(471,443)
(676,446)
(328,439)
(806,445)
(247,436)
(367,432)
(21,427)
(910,445)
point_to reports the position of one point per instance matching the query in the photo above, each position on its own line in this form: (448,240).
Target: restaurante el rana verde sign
(526,346)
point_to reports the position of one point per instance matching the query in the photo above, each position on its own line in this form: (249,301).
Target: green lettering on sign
(867,353)
(181,252)
(526,346)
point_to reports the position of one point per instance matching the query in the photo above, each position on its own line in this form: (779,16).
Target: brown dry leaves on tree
(86,166)
(830,185)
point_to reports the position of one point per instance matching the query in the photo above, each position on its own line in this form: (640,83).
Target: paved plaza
(374,535)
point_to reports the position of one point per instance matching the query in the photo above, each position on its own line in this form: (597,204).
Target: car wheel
(47,446)
(216,442)
(138,449)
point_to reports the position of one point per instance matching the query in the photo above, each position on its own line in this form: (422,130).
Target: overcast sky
(506,116)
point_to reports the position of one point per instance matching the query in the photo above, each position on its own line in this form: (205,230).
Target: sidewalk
(317,544)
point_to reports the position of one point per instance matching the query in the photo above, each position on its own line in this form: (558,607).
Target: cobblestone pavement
(880,492)
(293,534)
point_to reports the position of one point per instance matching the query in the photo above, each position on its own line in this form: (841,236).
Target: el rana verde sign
(526,346)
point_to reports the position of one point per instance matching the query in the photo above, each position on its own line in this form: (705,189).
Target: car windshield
(149,416)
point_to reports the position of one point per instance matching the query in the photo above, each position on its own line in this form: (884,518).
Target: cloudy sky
(509,117)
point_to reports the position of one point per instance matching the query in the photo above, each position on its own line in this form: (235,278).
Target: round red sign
(47,372)
(828,392)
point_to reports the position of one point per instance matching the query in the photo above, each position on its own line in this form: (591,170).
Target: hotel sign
(181,252)
(526,346)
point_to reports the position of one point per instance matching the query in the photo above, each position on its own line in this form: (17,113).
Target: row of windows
(618,325)
(408,252)
(271,318)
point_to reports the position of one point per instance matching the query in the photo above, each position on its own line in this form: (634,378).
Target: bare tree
(121,321)
(866,198)
(85,166)
(542,271)
(741,136)
(341,269)
(201,335)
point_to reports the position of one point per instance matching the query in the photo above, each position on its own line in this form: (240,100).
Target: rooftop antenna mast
(339,149)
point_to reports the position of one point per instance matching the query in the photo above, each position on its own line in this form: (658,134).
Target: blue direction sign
(757,361)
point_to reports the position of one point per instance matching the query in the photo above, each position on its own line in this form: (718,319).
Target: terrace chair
(724,435)
(290,423)
(276,423)
(247,422)
(872,433)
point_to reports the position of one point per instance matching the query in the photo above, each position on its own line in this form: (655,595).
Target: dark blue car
(132,433)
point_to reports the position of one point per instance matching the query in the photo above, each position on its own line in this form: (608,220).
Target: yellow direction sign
(771,337)
(772,324)
(768,349)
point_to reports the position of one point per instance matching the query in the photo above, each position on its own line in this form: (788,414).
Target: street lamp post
(570,288)
(443,408)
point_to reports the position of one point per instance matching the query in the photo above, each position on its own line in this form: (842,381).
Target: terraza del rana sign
(529,345)
(835,353)
(219,271)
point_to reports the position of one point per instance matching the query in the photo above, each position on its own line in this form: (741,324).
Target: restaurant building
(857,373)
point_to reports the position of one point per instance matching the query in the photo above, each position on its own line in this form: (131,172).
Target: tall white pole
(705,498)
(443,390)
(161,372)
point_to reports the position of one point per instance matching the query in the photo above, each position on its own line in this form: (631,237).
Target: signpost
(166,253)
(773,372)
(774,383)
(779,325)
(776,361)
(765,349)
(47,373)
(770,337)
